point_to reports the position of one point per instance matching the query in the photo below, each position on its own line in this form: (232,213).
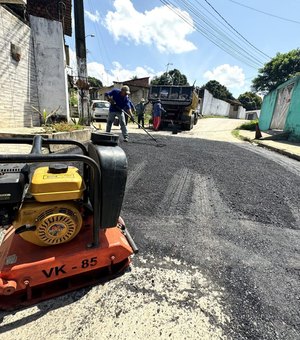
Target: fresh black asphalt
(231,210)
(222,213)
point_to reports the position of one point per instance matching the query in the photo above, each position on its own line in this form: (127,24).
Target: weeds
(216,116)
(236,133)
(63,127)
(249,125)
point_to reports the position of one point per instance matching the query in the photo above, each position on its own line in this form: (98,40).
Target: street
(217,224)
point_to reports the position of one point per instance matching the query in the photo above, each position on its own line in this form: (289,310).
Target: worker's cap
(125,89)
(142,100)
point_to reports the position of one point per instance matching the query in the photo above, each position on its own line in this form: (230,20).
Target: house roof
(139,82)
(233,102)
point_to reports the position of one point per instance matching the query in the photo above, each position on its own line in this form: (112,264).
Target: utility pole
(168,76)
(168,64)
(82,82)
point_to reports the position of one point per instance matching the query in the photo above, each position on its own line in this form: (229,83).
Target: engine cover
(48,224)
(56,183)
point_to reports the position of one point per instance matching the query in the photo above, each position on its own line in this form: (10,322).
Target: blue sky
(140,38)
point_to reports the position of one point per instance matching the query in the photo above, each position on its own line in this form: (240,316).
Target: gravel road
(217,224)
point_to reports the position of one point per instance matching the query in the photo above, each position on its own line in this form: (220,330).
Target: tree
(94,82)
(217,90)
(250,101)
(278,70)
(173,77)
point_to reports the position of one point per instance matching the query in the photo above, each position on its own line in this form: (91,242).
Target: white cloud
(93,17)
(160,27)
(232,77)
(117,73)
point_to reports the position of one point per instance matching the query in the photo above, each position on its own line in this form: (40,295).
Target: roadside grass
(147,118)
(236,133)
(250,126)
(212,116)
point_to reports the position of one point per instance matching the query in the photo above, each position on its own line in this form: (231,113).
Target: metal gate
(282,106)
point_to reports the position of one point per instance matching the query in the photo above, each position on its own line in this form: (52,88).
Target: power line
(231,31)
(101,45)
(248,46)
(236,30)
(266,13)
(214,34)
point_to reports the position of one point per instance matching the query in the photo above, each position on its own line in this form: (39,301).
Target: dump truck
(181,103)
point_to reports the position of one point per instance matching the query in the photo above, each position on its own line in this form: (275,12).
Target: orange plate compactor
(62,229)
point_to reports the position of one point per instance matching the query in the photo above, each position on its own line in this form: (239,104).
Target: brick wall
(18,83)
(59,10)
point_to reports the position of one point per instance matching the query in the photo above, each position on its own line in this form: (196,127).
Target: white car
(99,110)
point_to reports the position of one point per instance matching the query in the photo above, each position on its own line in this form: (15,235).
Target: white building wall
(241,113)
(252,113)
(18,83)
(214,107)
(50,65)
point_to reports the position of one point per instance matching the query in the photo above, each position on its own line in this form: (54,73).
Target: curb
(78,135)
(269,147)
(283,152)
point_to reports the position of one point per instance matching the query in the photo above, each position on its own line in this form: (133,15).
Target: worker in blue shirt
(156,113)
(119,101)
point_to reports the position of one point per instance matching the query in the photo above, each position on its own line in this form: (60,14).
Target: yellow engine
(53,216)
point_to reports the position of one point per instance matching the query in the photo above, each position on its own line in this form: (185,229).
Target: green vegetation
(63,127)
(214,116)
(250,101)
(147,118)
(173,77)
(236,133)
(278,70)
(73,97)
(46,116)
(94,82)
(249,125)
(217,90)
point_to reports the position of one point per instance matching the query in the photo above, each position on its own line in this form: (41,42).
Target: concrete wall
(18,81)
(252,114)
(50,65)
(292,122)
(266,111)
(241,113)
(214,107)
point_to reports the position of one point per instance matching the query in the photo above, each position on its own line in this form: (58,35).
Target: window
(101,105)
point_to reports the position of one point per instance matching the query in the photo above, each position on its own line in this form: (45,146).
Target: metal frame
(35,156)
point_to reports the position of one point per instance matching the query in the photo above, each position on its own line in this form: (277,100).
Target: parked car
(99,110)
